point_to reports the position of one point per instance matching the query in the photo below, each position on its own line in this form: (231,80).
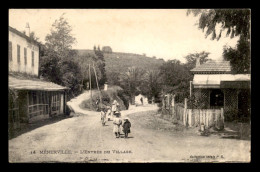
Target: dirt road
(83,139)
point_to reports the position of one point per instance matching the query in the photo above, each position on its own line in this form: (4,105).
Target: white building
(138,100)
(23,53)
(30,98)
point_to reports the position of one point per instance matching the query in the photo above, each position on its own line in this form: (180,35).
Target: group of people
(119,123)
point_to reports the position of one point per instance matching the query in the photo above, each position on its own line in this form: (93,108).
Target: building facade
(30,98)
(23,53)
(215,87)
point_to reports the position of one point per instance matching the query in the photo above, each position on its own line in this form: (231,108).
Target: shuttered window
(18,54)
(25,56)
(10,51)
(32,58)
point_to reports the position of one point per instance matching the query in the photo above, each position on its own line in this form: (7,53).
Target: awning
(27,84)
(220,80)
(235,84)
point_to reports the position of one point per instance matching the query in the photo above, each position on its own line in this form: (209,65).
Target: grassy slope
(119,62)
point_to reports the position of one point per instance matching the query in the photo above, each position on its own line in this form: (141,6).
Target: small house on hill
(215,87)
(30,98)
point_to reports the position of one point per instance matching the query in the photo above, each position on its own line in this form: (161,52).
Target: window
(32,58)
(10,51)
(25,56)
(18,54)
(216,98)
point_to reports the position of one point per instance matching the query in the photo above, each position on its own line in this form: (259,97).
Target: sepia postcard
(129,85)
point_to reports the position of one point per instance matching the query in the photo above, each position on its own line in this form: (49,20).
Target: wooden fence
(196,117)
(208,117)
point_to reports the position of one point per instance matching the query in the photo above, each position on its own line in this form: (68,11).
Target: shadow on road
(233,130)
(29,127)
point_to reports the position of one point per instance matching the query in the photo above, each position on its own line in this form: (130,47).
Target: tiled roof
(213,66)
(27,84)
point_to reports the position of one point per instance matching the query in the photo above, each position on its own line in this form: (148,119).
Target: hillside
(117,62)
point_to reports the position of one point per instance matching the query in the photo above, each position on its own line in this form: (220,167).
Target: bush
(107,99)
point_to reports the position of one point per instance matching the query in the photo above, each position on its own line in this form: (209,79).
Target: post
(189,117)
(168,101)
(190,88)
(89,81)
(222,118)
(173,100)
(97,83)
(185,112)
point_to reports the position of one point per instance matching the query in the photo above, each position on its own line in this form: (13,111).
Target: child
(103,116)
(115,107)
(126,127)
(108,114)
(117,123)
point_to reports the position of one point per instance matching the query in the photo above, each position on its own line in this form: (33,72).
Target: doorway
(244,106)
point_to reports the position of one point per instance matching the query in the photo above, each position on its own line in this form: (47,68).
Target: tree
(236,23)
(175,77)
(100,63)
(60,39)
(191,59)
(49,68)
(151,86)
(56,64)
(131,81)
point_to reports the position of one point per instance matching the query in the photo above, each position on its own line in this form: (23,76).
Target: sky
(164,33)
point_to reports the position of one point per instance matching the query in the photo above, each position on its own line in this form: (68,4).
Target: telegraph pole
(89,80)
(97,83)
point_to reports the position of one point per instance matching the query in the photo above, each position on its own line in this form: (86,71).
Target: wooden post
(97,84)
(222,117)
(204,117)
(189,117)
(207,118)
(173,100)
(168,101)
(89,81)
(185,112)
(190,88)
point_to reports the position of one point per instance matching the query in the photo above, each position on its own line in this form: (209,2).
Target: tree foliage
(191,59)
(131,81)
(237,23)
(56,62)
(60,39)
(151,85)
(100,64)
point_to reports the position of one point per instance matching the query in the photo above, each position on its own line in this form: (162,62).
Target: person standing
(117,123)
(97,104)
(141,99)
(114,107)
(108,113)
(103,116)
(126,127)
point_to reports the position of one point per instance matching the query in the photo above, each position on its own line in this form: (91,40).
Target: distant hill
(117,62)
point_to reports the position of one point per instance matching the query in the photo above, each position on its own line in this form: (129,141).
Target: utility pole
(89,80)
(97,83)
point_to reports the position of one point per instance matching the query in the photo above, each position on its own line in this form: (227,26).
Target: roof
(27,84)
(23,35)
(214,66)
(215,80)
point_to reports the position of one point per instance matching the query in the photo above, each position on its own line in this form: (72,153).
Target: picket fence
(197,117)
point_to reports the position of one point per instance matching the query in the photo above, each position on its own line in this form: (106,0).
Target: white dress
(117,123)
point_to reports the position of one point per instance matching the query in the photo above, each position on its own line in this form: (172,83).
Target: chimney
(27,30)
(197,62)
